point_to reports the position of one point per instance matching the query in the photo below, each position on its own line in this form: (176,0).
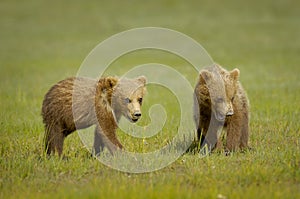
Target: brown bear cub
(78,102)
(220,101)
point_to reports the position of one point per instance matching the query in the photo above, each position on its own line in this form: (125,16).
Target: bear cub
(220,101)
(79,102)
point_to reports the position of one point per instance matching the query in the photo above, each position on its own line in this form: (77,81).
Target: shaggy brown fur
(221,101)
(77,103)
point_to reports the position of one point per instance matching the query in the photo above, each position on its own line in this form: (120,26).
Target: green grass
(44,42)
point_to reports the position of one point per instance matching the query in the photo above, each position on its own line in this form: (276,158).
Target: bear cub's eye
(220,100)
(127,100)
(140,100)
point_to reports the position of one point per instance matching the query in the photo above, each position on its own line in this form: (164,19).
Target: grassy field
(43,42)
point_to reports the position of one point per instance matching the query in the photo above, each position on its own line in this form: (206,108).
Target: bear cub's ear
(235,73)
(205,76)
(110,82)
(142,79)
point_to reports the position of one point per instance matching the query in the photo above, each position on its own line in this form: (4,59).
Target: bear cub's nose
(137,114)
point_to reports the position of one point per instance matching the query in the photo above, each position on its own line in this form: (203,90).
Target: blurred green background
(42,42)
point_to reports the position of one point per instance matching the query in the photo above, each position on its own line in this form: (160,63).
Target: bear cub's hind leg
(54,140)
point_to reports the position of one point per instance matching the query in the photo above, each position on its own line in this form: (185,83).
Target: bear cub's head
(222,87)
(127,98)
